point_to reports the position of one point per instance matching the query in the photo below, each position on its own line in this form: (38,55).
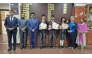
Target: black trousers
(51,41)
(42,38)
(72,39)
(10,34)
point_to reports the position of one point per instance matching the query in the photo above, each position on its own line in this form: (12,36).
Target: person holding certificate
(52,31)
(42,28)
(62,28)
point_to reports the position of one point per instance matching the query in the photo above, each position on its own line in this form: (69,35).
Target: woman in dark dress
(62,35)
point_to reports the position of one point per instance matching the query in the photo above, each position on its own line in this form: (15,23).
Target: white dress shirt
(11,19)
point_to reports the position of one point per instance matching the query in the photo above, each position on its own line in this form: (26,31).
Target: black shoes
(61,46)
(23,47)
(34,46)
(51,47)
(31,47)
(14,49)
(9,49)
(42,47)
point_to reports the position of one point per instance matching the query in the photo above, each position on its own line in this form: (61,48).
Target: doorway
(3,14)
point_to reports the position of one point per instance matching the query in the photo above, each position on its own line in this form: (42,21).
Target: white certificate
(43,26)
(64,26)
(55,25)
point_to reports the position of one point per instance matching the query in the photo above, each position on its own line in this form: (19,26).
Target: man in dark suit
(22,24)
(11,28)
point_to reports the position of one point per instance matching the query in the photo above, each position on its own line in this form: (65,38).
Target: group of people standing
(75,32)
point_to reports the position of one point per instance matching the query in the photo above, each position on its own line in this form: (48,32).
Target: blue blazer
(8,24)
(33,24)
(74,27)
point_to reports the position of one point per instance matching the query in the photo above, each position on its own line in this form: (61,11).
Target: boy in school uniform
(52,33)
(42,28)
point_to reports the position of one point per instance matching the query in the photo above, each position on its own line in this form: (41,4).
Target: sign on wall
(26,10)
(50,8)
(65,9)
(15,8)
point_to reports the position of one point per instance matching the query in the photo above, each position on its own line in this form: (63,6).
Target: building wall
(4,5)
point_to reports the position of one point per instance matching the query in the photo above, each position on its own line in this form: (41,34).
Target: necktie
(11,19)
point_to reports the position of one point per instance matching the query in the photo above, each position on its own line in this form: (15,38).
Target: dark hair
(83,19)
(52,16)
(64,18)
(12,11)
(32,13)
(42,15)
(69,20)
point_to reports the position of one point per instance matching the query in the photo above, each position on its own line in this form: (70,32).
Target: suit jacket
(9,24)
(74,27)
(33,24)
(22,24)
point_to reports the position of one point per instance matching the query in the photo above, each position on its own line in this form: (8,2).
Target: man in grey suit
(22,23)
